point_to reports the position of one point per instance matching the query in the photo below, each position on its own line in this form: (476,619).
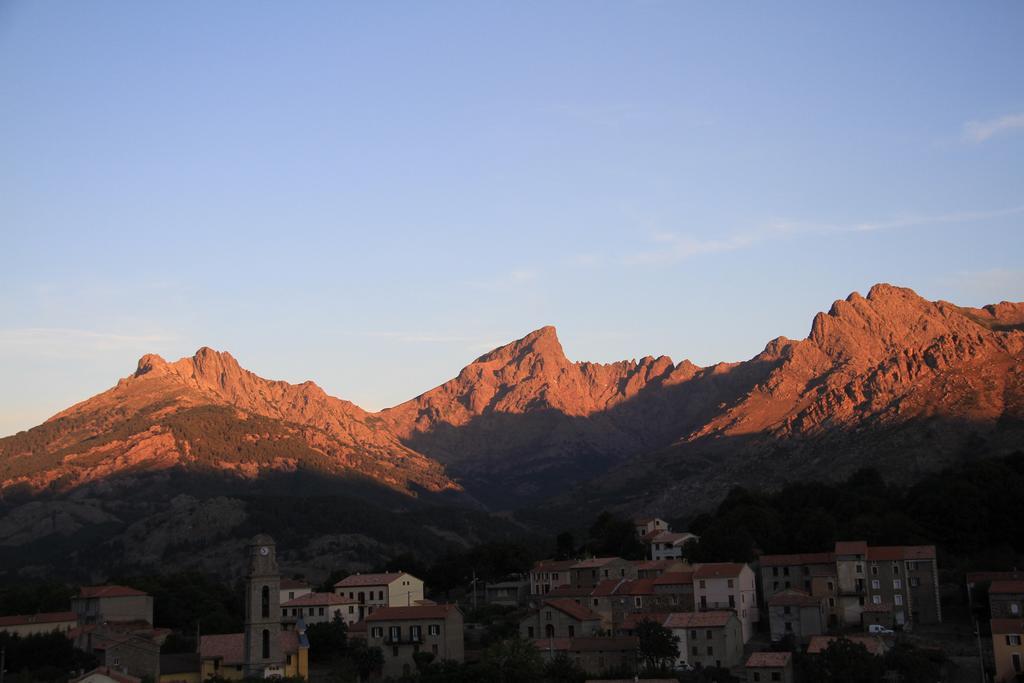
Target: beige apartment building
(727,585)
(319,608)
(1007,649)
(401,632)
(796,614)
(371,592)
(706,639)
(560,618)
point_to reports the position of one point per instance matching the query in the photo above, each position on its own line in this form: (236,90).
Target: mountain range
(889,380)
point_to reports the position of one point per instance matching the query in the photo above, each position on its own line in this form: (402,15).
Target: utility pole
(473,583)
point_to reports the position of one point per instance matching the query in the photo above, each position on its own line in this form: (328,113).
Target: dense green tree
(561,669)
(659,647)
(843,661)
(610,535)
(328,641)
(513,661)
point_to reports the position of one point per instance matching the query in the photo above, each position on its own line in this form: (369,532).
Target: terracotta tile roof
(796,559)
(412,613)
(108,592)
(769,660)
(578,612)
(1004,587)
(595,562)
(113,674)
(41,618)
(902,552)
(673,537)
(1007,626)
(293,583)
(718,570)
(317,599)
(648,565)
(793,598)
(634,619)
(588,644)
(819,644)
(851,548)
(714,619)
(636,587)
(358,580)
(230,647)
(674,579)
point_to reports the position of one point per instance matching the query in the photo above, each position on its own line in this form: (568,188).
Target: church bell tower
(263,610)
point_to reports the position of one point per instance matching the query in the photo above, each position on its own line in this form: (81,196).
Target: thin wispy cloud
(980,131)
(57,336)
(668,247)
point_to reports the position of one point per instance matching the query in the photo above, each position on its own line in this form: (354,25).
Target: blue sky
(371,195)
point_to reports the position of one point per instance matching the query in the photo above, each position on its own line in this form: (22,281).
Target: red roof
(1007,626)
(360,580)
(674,579)
(230,647)
(317,599)
(902,552)
(108,592)
(645,565)
(851,548)
(578,612)
(769,660)
(1004,587)
(796,559)
(793,598)
(412,613)
(699,619)
(41,618)
(718,570)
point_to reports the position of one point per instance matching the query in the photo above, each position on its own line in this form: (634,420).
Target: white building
(373,591)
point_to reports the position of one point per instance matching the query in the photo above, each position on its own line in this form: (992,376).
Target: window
(757,675)
(693,635)
(351,609)
(876,584)
(266,644)
(1014,608)
(775,572)
(897,584)
(775,585)
(572,631)
(416,633)
(876,599)
(529,632)
(711,651)
(695,651)
(291,595)
(776,675)
(547,615)
(637,601)
(785,572)
(377,632)
(704,602)
(787,609)
(789,626)
(914,582)
(831,586)
(295,612)
(831,602)
(380,595)
(732,601)
(703,584)
(874,570)
(729,582)
(895,569)
(284,612)
(549,631)
(321,611)
(707,634)
(897,599)
(859,568)
(1016,662)
(394,633)
(434,629)
(265,602)
(595,602)
(1013,640)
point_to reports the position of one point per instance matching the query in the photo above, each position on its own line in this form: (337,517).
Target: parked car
(879,630)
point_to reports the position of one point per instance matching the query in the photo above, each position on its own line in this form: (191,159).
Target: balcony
(404,640)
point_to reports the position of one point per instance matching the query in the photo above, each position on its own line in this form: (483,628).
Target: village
(605,616)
